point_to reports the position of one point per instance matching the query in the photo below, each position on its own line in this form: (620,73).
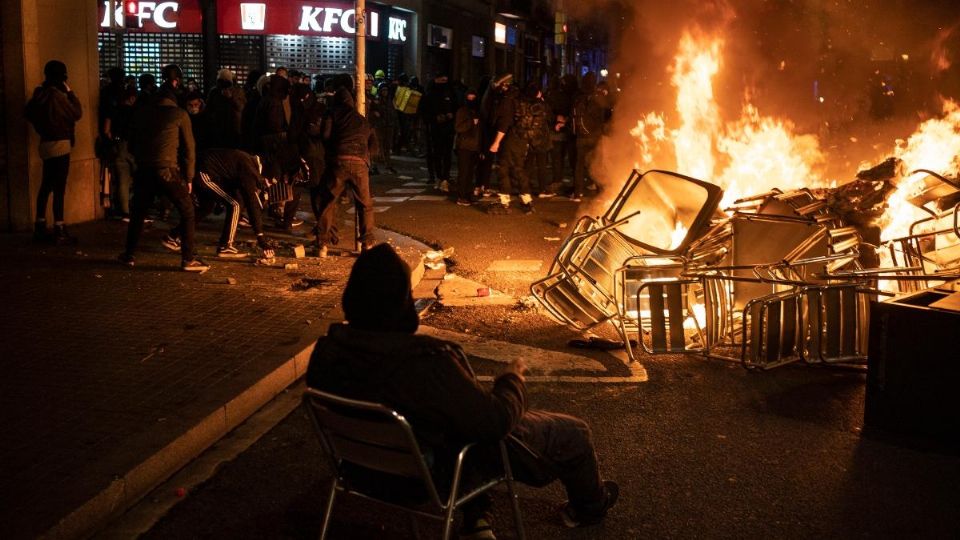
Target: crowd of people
(228,148)
(224,149)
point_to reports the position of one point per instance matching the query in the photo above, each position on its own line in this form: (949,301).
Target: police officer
(166,159)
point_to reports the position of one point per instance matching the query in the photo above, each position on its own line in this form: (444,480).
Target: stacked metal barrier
(774,279)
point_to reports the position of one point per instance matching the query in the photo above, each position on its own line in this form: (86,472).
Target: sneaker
(546,195)
(126,259)
(244,222)
(444,186)
(478,530)
(463,202)
(527,208)
(572,518)
(40,233)
(196,265)
(322,251)
(498,209)
(171,243)
(230,251)
(576,197)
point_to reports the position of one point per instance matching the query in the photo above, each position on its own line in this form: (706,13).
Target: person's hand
(190,186)
(518,367)
(494,148)
(66,87)
(476,121)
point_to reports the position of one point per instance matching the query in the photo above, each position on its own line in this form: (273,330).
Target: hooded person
(377,356)
(54,111)
(351,141)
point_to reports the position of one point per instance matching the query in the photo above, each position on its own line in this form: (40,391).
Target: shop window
(310,54)
(241,54)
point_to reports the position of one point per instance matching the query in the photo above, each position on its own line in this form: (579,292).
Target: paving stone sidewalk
(104,366)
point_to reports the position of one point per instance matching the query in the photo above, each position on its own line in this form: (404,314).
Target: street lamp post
(360,10)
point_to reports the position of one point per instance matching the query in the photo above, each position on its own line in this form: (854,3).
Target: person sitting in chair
(376,356)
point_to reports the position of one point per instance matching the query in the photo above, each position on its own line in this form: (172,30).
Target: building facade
(465,39)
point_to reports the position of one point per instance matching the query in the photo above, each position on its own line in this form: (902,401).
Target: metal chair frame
(378,438)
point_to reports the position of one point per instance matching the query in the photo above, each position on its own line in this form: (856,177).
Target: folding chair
(377,438)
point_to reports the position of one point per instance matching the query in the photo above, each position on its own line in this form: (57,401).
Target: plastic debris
(299,251)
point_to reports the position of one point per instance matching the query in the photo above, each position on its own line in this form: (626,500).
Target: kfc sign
(163,16)
(305,18)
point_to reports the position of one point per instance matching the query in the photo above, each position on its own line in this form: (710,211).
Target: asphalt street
(701,448)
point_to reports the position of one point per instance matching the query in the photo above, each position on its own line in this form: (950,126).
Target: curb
(126,490)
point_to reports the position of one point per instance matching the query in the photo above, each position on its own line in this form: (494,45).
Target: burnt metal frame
(365,426)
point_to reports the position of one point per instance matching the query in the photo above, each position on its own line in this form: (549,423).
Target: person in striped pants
(225,173)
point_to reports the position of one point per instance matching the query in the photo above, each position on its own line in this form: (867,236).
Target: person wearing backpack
(54,111)
(590,113)
(515,124)
(540,140)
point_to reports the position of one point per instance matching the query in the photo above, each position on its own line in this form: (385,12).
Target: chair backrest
(369,435)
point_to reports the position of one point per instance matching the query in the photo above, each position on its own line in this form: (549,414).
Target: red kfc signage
(306,18)
(181,16)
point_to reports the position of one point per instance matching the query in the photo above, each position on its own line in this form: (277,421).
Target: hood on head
(378,296)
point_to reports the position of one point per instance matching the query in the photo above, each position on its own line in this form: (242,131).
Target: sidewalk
(113,378)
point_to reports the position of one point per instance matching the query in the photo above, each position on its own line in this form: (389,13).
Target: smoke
(856,75)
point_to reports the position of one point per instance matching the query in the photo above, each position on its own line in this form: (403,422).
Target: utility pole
(360,11)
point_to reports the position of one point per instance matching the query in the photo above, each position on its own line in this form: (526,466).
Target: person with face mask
(438,107)
(199,121)
(54,111)
(468,146)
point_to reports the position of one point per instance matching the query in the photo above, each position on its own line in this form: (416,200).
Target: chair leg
(511,490)
(448,522)
(329,510)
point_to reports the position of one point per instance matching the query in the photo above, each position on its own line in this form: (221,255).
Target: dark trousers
(563,150)
(441,152)
(55,172)
(225,190)
(467,161)
(149,182)
(355,175)
(585,148)
(554,447)
(537,168)
(513,169)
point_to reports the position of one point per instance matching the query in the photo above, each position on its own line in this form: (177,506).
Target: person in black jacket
(438,107)
(165,153)
(352,142)
(590,112)
(468,146)
(377,356)
(54,110)
(225,172)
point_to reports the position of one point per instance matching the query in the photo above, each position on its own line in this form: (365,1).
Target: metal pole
(360,11)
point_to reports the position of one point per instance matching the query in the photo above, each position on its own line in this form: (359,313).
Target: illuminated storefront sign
(307,18)
(298,17)
(164,16)
(499,33)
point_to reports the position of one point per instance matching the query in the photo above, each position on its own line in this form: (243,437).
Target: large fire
(754,153)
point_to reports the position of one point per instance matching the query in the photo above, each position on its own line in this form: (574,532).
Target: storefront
(313,37)
(169,32)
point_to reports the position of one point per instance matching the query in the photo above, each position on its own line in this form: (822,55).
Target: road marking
(390,199)
(543,365)
(428,198)
(416,184)
(515,265)
(404,191)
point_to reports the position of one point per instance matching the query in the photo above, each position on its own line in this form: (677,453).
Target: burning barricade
(774,278)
